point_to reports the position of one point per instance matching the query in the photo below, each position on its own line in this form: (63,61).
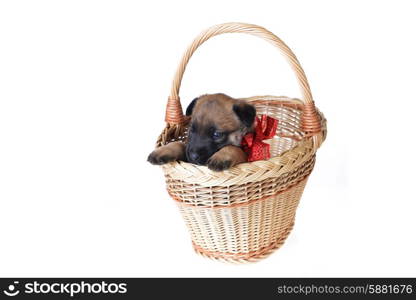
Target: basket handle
(311,123)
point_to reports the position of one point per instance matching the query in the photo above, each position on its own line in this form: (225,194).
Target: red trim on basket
(177,199)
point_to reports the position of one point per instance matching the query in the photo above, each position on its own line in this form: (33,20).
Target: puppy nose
(194,156)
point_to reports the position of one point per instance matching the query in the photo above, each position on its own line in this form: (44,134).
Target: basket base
(248,257)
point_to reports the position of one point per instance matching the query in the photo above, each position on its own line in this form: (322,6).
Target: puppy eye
(217,135)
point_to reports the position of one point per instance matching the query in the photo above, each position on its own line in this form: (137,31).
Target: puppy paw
(160,158)
(165,154)
(219,165)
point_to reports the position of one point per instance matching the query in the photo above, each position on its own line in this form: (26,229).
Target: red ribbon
(265,128)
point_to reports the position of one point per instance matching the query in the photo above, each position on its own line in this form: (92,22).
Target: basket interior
(288,133)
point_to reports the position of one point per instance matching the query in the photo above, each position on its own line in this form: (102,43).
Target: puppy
(217,126)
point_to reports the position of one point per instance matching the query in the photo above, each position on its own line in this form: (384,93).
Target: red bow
(265,128)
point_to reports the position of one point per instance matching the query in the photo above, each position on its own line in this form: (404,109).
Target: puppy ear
(245,112)
(190,107)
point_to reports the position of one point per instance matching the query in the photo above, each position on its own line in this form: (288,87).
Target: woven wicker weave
(244,213)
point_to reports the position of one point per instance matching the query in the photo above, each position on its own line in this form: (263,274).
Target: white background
(83,85)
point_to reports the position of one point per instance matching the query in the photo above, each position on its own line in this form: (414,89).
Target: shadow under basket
(245,213)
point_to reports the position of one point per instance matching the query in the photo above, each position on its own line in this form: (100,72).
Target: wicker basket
(244,213)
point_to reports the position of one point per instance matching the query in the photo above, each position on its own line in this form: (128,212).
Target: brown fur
(170,152)
(218,109)
(215,112)
(226,157)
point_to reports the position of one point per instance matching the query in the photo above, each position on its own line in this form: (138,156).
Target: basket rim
(247,171)
(250,171)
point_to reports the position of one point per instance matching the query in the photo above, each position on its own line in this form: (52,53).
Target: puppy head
(217,120)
